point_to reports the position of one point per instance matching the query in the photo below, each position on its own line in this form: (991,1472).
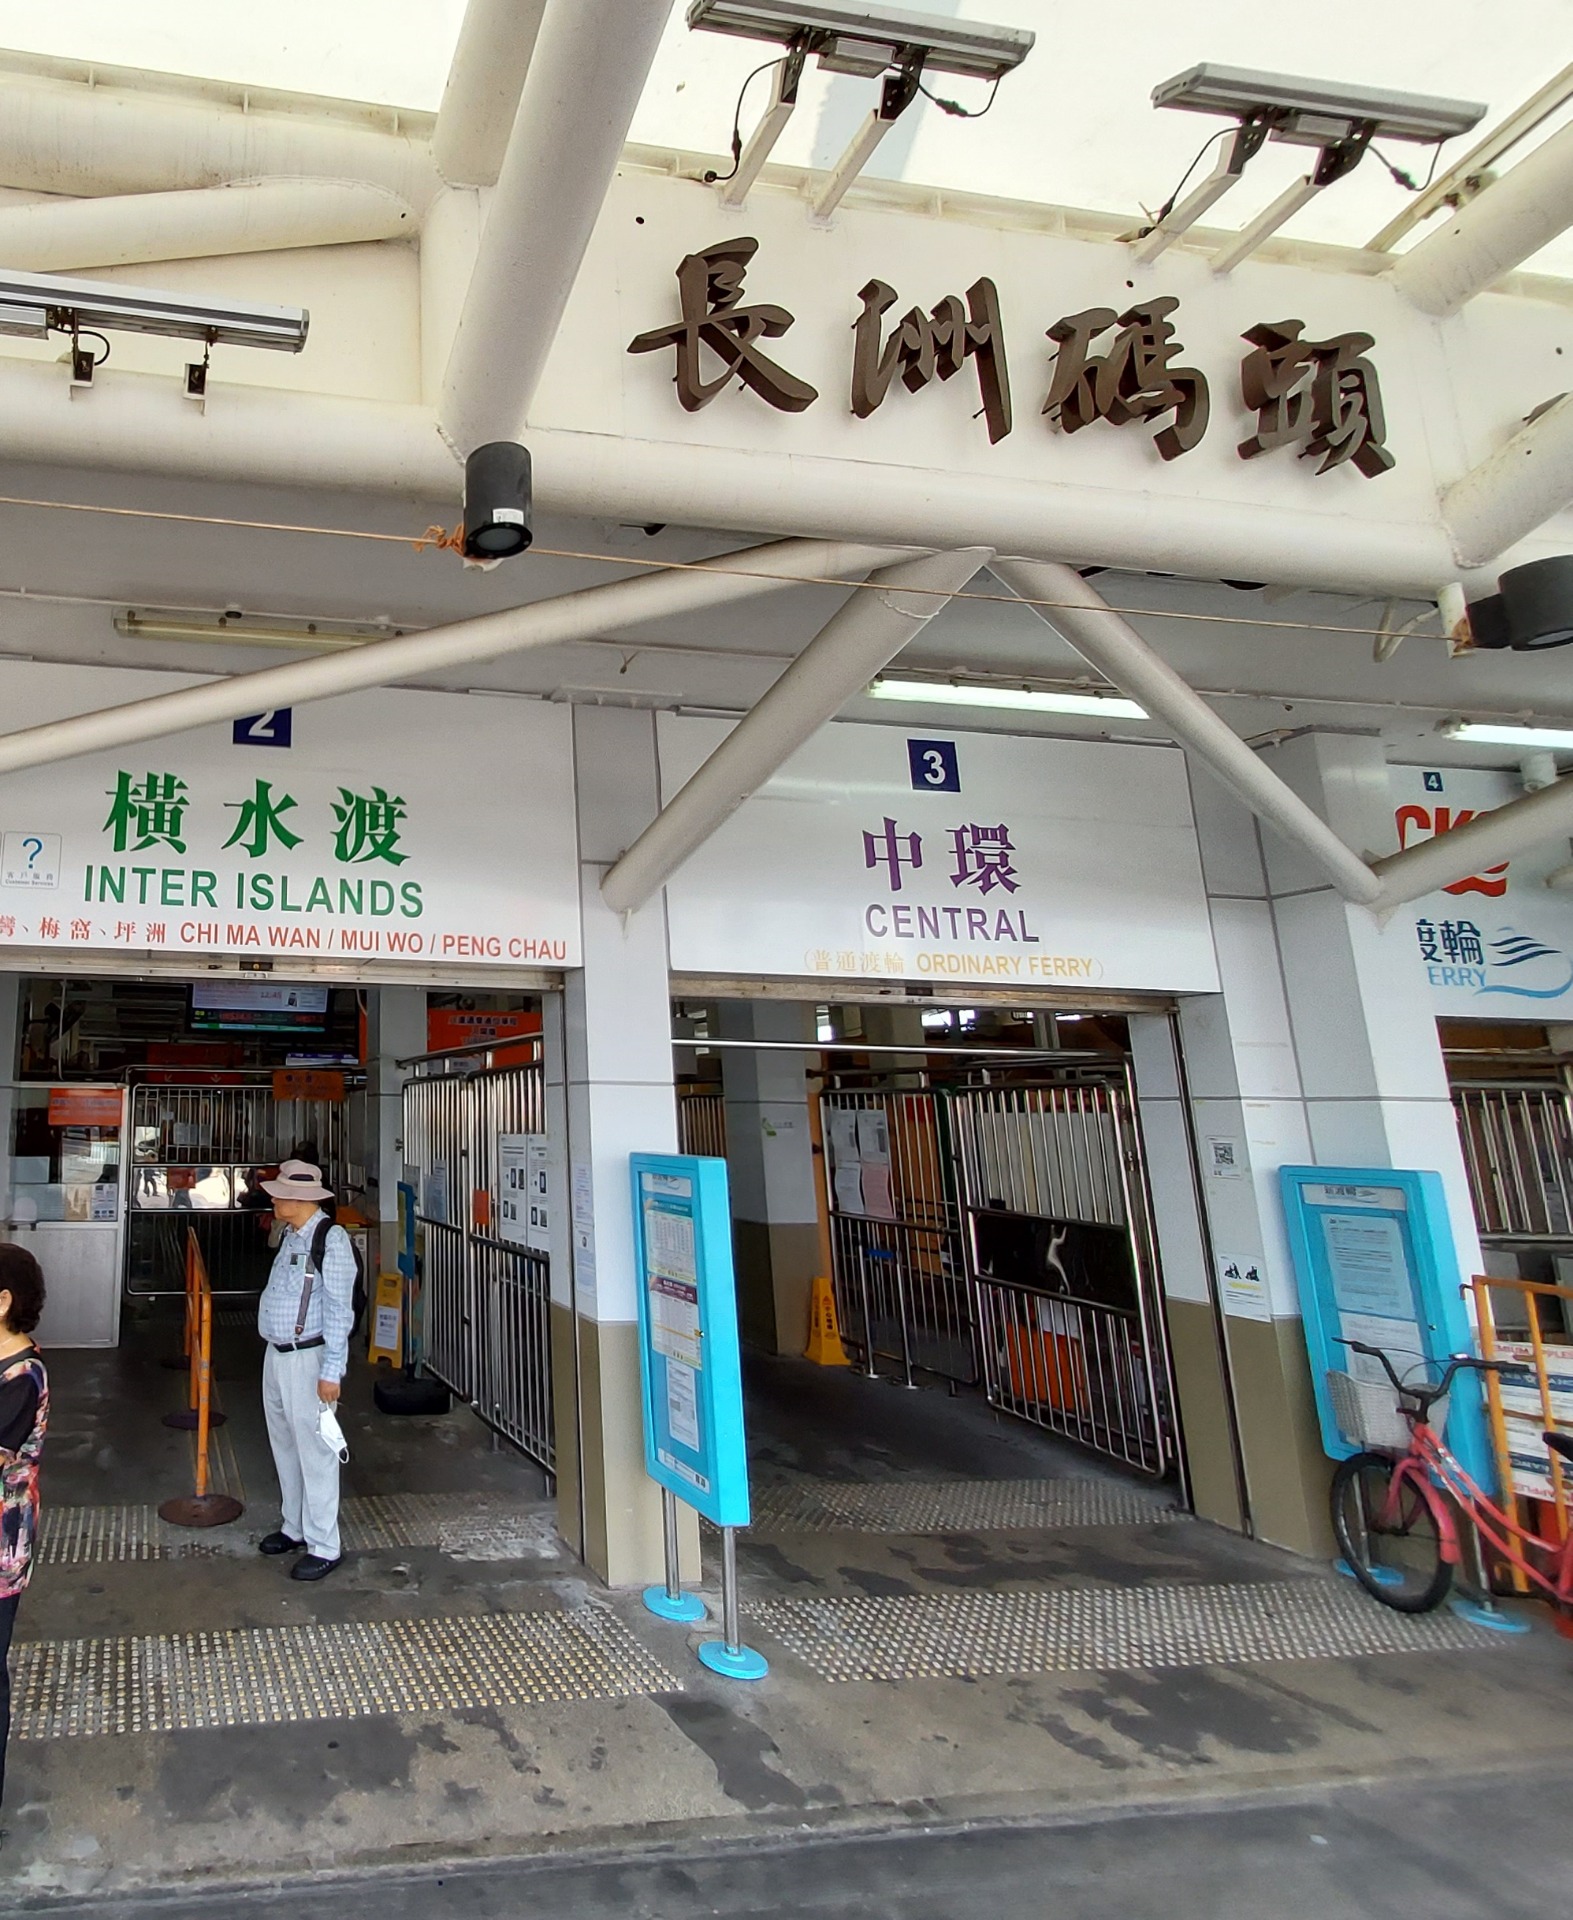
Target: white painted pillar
(395,1030)
(770,1165)
(617,1077)
(1320,1048)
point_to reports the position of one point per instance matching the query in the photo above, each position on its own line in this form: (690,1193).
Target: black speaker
(1488,622)
(1538,602)
(497,501)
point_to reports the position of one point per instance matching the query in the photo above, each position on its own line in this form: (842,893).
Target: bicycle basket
(1368,1414)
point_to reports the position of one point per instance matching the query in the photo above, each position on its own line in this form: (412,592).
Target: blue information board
(1375,1261)
(688,1346)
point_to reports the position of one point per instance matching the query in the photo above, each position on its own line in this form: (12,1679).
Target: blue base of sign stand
(1383,1576)
(1489,1617)
(685,1609)
(733,1663)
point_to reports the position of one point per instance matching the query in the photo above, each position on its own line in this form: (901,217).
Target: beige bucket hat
(298,1180)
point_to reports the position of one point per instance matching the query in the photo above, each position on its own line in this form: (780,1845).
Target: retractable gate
(1000,1235)
(1518,1151)
(487,1298)
(198,1155)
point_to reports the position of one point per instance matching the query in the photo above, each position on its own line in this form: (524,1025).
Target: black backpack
(319,1243)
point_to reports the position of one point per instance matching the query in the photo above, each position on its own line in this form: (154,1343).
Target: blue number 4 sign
(270,729)
(933,764)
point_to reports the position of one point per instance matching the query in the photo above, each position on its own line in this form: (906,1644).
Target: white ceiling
(1072,128)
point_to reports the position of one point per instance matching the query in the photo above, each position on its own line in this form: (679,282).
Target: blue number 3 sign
(933,764)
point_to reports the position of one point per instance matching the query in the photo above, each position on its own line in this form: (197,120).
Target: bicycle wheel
(1397,1561)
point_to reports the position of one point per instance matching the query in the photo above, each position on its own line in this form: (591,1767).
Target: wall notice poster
(521,1178)
(1050,863)
(365,838)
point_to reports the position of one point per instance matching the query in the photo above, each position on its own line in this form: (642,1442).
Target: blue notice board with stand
(1375,1261)
(688,1339)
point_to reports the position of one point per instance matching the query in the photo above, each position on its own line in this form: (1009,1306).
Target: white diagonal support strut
(496,42)
(588,614)
(1106,641)
(586,73)
(853,646)
(1513,490)
(1485,841)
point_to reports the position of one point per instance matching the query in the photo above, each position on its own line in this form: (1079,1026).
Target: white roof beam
(264,216)
(1515,489)
(485,81)
(589,614)
(1492,234)
(1105,640)
(586,74)
(838,663)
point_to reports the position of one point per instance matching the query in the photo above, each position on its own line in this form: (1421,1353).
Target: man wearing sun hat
(306,1318)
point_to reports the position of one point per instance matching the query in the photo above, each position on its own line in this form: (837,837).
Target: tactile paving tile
(467,1524)
(1099,1629)
(264,1676)
(956,1506)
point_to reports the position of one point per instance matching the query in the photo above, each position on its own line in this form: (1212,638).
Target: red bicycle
(1395,1512)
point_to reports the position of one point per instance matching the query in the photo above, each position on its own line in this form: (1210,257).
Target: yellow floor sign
(387,1320)
(824,1336)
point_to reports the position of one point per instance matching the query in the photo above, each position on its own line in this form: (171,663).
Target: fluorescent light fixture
(238,631)
(947,693)
(869,40)
(1503,733)
(35,305)
(1309,112)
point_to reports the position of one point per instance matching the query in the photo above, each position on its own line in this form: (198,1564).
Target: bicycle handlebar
(1426,1395)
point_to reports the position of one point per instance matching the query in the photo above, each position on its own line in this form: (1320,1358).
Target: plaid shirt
(331,1311)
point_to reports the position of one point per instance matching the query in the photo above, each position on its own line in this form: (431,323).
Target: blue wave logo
(1511,948)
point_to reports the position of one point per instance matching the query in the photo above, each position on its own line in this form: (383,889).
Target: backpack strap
(314,1252)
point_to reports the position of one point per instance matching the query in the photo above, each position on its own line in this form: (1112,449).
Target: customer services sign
(351,828)
(1497,944)
(952,858)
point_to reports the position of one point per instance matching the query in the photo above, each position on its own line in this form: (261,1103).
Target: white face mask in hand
(331,1433)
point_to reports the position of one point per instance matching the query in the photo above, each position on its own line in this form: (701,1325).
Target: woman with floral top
(24,1415)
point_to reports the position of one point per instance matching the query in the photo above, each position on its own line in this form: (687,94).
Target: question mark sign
(34,847)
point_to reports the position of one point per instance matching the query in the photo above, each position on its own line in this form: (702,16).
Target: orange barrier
(202,1508)
(1519,1413)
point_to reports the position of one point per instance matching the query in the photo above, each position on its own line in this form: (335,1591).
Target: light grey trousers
(308,1471)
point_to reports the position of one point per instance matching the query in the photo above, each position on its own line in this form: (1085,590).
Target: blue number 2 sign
(933,764)
(270,729)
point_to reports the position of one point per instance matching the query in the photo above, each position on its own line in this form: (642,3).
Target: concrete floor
(711,1764)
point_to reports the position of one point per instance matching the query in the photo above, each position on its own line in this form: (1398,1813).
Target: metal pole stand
(728,1656)
(1484,1611)
(670,1602)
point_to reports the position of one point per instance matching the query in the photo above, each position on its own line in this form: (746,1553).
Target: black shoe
(279,1543)
(312,1566)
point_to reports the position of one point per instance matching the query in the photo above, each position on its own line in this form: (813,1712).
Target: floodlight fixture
(1339,121)
(34,305)
(879,43)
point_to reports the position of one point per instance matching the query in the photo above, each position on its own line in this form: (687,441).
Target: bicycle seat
(1560,1443)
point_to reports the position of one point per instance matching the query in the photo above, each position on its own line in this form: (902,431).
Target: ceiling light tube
(1503,733)
(947,693)
(240,633)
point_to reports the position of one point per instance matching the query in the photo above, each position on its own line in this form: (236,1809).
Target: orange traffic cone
(824,1336)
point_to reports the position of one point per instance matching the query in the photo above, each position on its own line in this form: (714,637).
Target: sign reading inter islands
(956,858)
(356,832)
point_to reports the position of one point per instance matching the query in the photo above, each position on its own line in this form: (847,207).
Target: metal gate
(198,1154)
(1001,1235)
(487,1299)
(1518,1152)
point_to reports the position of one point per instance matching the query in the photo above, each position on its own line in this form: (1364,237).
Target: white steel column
(1106,641)
(593,612)
(396,1030)
(1493,233)
(587,71)
(855,643)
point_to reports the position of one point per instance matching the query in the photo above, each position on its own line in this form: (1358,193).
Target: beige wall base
(1286,1471)
(776,1265)
(1204,1418)
(600,1456)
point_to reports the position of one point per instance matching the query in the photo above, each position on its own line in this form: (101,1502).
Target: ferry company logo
(1503,961)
